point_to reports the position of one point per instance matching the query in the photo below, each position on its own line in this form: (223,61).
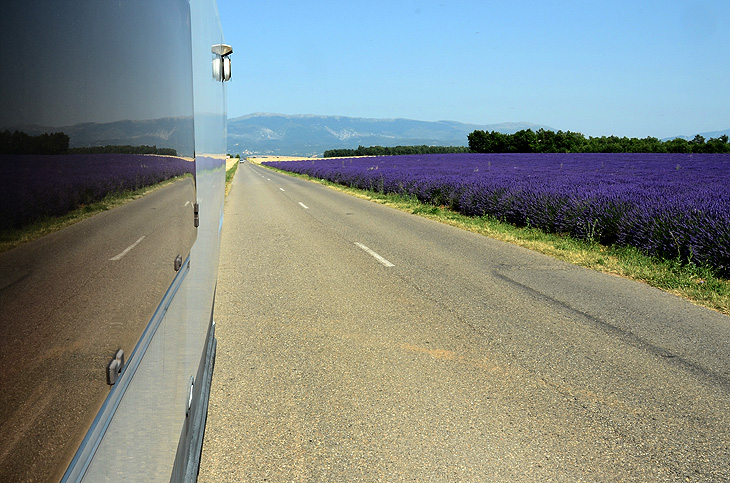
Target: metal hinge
(190,396)
(114,369)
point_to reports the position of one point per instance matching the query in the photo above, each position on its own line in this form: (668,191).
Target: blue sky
(629,68)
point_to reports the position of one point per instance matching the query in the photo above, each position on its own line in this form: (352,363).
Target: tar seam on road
(119,257)
(377,257)
(303,205)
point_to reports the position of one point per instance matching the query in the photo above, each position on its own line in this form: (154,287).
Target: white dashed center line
(375,255)
(303,205)
(126,250)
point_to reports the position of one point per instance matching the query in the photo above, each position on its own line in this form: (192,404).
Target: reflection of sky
(210,101)
(94,61)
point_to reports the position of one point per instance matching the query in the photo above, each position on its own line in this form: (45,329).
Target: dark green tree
(524,141)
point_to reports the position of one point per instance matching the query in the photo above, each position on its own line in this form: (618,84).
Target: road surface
(360,343)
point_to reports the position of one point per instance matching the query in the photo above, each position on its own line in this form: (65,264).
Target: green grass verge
(229,177)
(696,284)
(12,238)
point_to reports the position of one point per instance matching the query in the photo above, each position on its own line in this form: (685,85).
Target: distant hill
(307,135)
(707,135)
(170,132)
(296,135)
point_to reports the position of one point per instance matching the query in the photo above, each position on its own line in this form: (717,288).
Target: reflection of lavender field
(36,186)
(668,205)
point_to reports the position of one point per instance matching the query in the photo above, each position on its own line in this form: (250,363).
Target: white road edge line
(303,205)
(377,257)
(127,250)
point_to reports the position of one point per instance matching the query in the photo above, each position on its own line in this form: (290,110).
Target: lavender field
(673,206)
(50,185)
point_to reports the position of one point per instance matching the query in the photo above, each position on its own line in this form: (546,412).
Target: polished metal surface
(98,99)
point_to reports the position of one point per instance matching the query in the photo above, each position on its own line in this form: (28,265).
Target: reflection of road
(68,301)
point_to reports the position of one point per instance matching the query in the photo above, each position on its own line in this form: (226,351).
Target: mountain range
(308,135)
(169,132)
(294,135)
(707,135)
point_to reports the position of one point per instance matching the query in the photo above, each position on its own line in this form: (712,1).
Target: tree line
(542,141)
(394,150)
(19,142)
(124,149)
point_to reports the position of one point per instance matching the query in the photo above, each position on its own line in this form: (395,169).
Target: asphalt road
(68,301)
(360,343)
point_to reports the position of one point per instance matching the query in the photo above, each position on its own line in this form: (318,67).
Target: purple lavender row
(673,206)
(52,185)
